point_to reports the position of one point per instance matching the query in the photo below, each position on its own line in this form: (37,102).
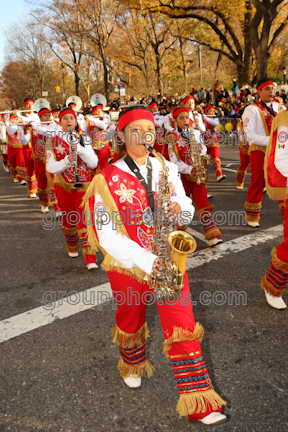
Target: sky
(11,12)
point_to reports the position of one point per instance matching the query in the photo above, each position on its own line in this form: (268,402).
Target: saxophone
(199,160)
(169,245)
(280,101)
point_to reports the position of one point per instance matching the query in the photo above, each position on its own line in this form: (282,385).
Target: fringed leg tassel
(183,335)
(44,197)
(129,340)
(217,166)
(72,239)
(253,211)
(144,367)
(276,279)
(193,403)
(240,178)
(207,220)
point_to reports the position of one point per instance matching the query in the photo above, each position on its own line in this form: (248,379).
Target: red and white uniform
(94,128)
(211,139)
(15,151)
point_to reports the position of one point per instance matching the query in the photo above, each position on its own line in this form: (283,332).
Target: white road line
(39,317)
(228,169)
(60,309)
(197,235)
(11,196)
(18,199)
(228,165)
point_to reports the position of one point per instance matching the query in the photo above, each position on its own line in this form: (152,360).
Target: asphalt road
(63,376)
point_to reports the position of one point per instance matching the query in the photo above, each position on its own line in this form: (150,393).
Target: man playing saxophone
(122,198)
(184,148)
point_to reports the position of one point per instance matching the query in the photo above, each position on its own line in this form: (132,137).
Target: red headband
(152,105)
(96,107)
(55,110)
(67,111)
(44,111)
(179,111)
(27,101)
(208,108)
(188,98)
(138,114)
(265,84)
(12,115)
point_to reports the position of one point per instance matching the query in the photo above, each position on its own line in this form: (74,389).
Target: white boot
(253,224)
(221,177)
(23,182)
(6,169)
(44,209)
(91,266)
(275,302)
(132,381)
(239,187)
(73,254)
(214,241)
(33,196)
(16,180)
(213,419)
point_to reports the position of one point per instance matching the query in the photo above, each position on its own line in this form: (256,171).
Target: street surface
(59,366)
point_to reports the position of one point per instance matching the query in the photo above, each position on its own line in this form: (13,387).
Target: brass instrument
(280,100)
(199,160)
(77,183)
(169,245)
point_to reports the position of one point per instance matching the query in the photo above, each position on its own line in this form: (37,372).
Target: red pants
(30,172)
(54,200)
(253,202)
(215,159)
(276,279)
(17,162)
(182,342)
(73,223)
(103,156)
(42,183)
(242,170)
(199,195)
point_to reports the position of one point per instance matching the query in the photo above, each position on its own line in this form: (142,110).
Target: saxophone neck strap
(270,110)
(147,186)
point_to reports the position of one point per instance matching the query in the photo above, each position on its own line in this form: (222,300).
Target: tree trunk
(77,83)
(159,74)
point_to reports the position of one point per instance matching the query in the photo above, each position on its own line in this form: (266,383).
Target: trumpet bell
(76,100)
(41,103)
(98,99)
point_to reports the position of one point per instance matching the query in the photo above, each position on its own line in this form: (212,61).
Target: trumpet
(77,183)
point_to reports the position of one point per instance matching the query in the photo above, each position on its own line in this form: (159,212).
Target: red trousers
(30,171)
(182,342)
(17,162)
(215,159)
(73,223)
(253,202)
(54,200)
(276,279)
(242,170)
(42,188)
(199,196)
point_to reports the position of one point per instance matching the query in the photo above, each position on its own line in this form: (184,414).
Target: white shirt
(213,121)
(253,124)
(281,153)
(167,119)
(159,120)
(183,168)
(3,137)
(129,253)
(25,138)
(197,115)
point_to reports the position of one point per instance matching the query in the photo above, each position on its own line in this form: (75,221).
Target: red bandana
(266,83)
(152,105)
(97,107)
(208,108)
(130,116)
(44,111)
(66,111)
(27,101)
(179,111)
(188,98)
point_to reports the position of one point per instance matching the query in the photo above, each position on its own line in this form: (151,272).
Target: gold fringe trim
(183,335)
(244,150)
(215,160)
(58,180)
(241,172)
(252,206)
(255,147)
(215,233)
(111,264)
(280,193)
(139,370)
(210,207)
(212,145)
(129,340)
(194,403)
(279,265)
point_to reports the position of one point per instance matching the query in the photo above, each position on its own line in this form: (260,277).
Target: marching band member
(244,157)
(15,150)
(3,142)
(275,281)
(169,123)
(128,186)
(180,154)
(29,161)
(257,120)
(95,125)
(211,139)
(159,122)
(195,116)
(55,115)
(59,163)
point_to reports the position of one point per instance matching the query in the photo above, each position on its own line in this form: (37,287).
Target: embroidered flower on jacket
(125,194)
(115,178)
(172,189)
